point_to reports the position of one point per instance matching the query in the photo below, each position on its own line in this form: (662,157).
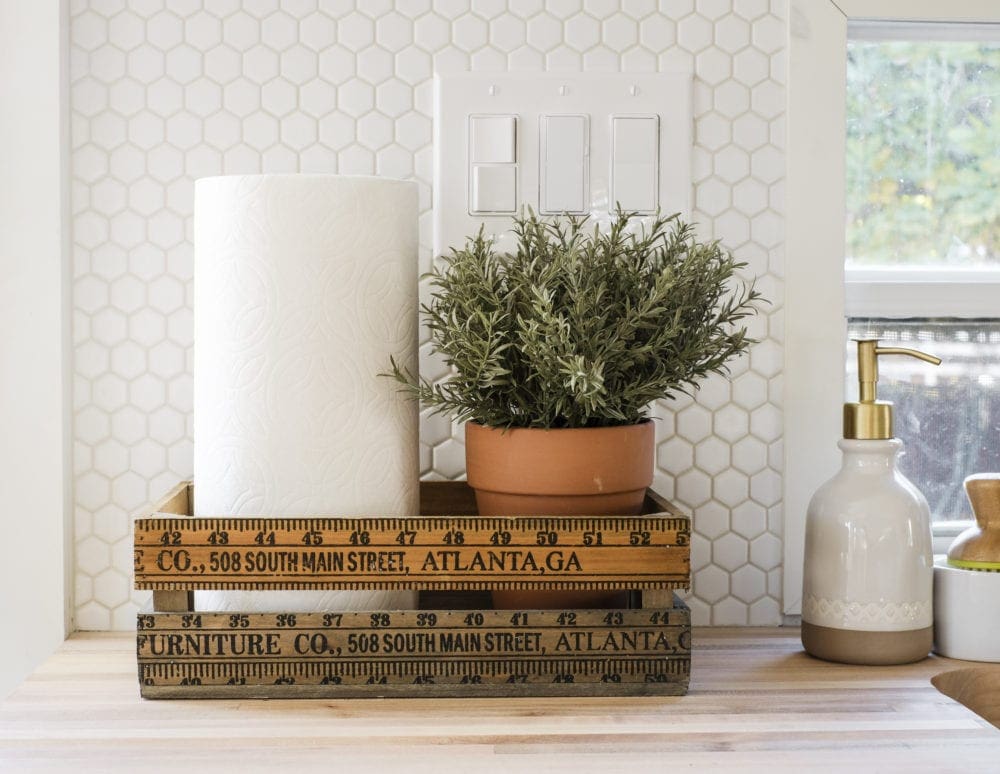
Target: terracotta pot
(577,471)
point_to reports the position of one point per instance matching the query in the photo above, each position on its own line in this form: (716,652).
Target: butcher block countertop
(757,703)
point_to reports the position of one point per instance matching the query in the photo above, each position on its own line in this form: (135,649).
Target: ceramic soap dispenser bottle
(867,591)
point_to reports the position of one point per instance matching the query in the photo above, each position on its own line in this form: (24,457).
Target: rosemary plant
(578,327)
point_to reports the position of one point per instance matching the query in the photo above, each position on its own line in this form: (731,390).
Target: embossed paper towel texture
(304,286)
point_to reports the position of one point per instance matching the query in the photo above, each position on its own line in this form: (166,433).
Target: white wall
(33,493)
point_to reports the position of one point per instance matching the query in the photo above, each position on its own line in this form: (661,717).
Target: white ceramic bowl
(966,613)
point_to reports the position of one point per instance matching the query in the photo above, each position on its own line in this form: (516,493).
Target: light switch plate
(529,97)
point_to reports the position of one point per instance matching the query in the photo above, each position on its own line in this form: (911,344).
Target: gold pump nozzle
(870,418)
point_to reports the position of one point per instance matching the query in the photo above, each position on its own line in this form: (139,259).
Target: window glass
(948,416)
(923,153)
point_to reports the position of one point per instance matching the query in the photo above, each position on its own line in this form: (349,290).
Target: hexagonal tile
(750,197)
(657,32)
(765,612)
(730,423)
(750,9)
(733,228)
(544,32)
(712,456)
(298,131)
(712,131)
(749,455)
(92,555)
(750,131)
(639,60)
(109,261)
(713,197)
(394,161)
(413,65)
(710,584)
(765,551)
(165,31)
(729,551)
(261,64)
(241,97)
(675,455)
(318,31)
(693,488)
(449,458)
(356,98)
(714,66)
(91,425)
(223,64)
(768,99)
(260,130)
(749,519)
(166,426)
(695,33)
(582,32)
(203,31)
(375,130)
(488,59)
(732,164)
(731,99)
(601,59)
(729,612)
(92,490)
(317,97)
(111,522)
(355,31)
(508,33)
(431,32)
(299,64)
(768,34)
(110,392)
(730,487)
(694,423)
(126,30)
(749,583)
(765,423)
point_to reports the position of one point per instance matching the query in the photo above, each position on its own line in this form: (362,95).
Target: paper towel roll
(304,286)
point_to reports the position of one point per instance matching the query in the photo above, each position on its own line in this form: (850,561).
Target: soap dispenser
(867,590)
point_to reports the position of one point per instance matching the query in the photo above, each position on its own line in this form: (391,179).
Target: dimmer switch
(564,163)
(635,142)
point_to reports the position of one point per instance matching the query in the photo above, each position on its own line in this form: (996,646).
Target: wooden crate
(454,645)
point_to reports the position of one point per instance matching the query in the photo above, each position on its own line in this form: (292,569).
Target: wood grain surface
(757,703)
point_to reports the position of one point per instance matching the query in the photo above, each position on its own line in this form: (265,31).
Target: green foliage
(923,153)
(581,328)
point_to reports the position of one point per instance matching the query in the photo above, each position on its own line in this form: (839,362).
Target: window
(922,236)
(818,303)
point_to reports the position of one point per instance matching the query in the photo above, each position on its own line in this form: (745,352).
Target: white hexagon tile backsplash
(166,91)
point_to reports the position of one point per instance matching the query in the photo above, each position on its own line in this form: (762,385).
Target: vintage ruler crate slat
(457,647)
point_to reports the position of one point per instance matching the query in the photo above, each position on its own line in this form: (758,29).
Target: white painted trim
(920,10)
(882,30)
(814,288)
(35,566)
(880,298)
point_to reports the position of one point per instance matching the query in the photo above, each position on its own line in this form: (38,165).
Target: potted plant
(558,348)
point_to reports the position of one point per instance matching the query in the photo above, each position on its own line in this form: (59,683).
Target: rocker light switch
(635,163)
(564,163)
(492,164)
(492,139)
(494,188)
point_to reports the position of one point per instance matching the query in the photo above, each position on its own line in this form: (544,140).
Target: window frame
(815,246)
